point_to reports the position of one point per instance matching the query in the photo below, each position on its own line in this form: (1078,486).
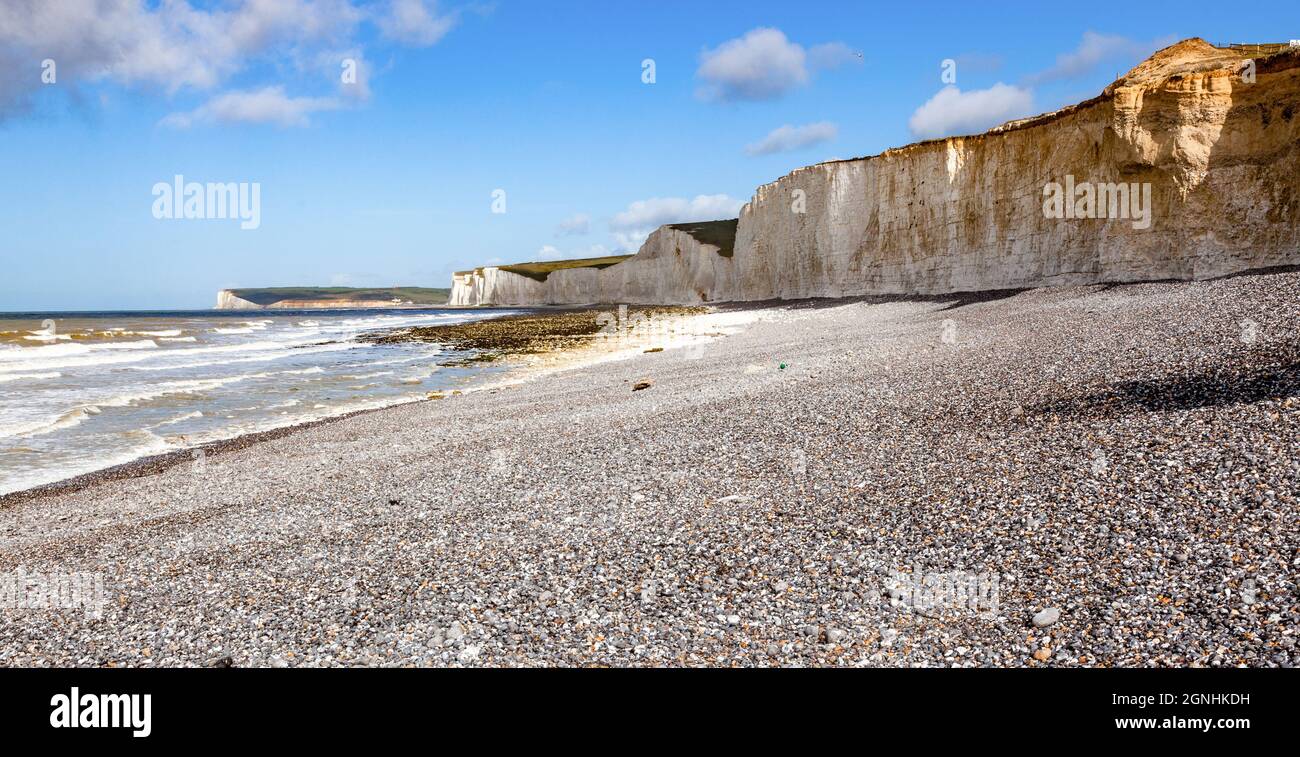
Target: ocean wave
(119,331)
(29,376)
(30,354)
(181,418)
(92,356)
(69,419)
(80,413)
(248,327)
(38,336)
(253,359)
(101,411)
(140,444)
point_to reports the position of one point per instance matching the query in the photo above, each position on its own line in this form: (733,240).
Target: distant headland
(307,298)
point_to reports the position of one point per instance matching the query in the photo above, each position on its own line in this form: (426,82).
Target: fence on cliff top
(1256,48)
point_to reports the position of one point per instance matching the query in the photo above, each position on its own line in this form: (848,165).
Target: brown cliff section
(1210,133)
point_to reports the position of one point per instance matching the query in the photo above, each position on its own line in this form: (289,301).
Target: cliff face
(1218,155)
(673,267)
(1183,169)
(228,300)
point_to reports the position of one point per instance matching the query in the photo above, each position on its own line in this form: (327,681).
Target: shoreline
(526,370)
(155,464)
(556,346)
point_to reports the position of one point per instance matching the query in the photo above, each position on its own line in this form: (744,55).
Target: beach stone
(1047,617)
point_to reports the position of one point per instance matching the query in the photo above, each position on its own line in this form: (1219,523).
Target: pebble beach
(1116,467)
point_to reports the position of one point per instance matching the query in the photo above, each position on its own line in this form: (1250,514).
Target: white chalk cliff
(1212,134)
(229,300)
(673,267)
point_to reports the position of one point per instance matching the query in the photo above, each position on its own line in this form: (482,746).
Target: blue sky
(389,181)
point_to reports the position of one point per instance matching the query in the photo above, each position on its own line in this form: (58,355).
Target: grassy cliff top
(414,295)
(539,271)
(720,234)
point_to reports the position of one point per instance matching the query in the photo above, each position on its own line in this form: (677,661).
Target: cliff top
(271,295)
(1189,56)
(539,271)
(720,234)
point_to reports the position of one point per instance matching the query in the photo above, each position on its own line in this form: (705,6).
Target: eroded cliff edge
(682,264)
(1211,134)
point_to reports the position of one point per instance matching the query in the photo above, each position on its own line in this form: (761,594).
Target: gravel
(1124,455)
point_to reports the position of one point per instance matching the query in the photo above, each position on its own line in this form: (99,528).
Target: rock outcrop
(1188,167)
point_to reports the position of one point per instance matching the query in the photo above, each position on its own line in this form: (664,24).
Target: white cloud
(832,55)
(415,22)
(548,252)
(1095,49)
(269,105)
(630,227)
(179,45)
(786,138)
(763,65)
(952,111)
(575,225)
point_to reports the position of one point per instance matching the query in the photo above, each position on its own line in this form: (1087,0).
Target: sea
(80,392)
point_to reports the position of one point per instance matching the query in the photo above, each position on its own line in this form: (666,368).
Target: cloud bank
(952,111)
(183,45)
(787,138)
(763,65)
